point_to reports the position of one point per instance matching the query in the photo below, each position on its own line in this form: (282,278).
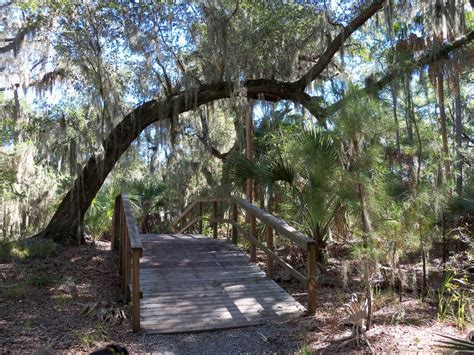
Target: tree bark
(458,131)
(397,127)
(409,125)
(442,122)
(367,229)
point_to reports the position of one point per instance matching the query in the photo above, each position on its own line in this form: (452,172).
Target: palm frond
(454,343)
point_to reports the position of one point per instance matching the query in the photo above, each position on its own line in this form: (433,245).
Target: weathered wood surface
(194,283)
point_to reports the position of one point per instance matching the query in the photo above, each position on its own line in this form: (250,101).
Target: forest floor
(71,302)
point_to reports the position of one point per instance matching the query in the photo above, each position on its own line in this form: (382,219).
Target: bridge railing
(189,217)
(126,240)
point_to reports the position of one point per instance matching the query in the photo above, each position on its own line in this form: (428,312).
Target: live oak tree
(178,58)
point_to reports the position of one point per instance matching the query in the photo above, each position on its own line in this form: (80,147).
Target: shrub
(27,248)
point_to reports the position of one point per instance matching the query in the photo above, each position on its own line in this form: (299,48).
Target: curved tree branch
(338,42)
(65,226)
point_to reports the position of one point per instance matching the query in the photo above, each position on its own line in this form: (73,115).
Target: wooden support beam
(235,217)
(200,217)
(120,236)
(182,220)
(269,232)
(311,274)
(247,235)
(253,246)
(136,290)
(214,215)
(127,270)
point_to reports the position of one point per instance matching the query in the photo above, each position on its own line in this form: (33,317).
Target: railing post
(115,235)
(200,217)
(182,221)
(253,246)
(269,231)
(214,224)
(311,278)
(235,217)
(120,236)
(127,273)
(190,216)
(136,290)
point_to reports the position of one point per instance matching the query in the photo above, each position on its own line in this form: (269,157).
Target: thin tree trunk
(442,123)
(367,229)
(18,136)
(458,132)
(409,125)
(249,146)
(397,128)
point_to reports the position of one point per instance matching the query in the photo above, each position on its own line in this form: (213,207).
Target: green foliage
(149,196)
(41,280)
(455,344)
(25,248)
(15,292)
(99,215)
(454,299)
(304,350)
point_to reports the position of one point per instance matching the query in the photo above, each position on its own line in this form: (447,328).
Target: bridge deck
(193,283)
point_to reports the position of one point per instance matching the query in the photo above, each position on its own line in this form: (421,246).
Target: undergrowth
(26,248)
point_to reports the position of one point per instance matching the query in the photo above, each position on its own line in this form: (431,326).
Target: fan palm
(309,168)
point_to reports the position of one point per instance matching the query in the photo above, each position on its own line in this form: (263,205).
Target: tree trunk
(458,132)
(66,224)
(409,125)
(367,229)
(249,146)
(397,128)
(442,123)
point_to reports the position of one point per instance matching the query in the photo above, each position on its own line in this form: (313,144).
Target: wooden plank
(202,280)
(263,301)
(162,295)
(205,269)
(210,294)
(206,310)
(199,324)
(194,283)
(200,319)
(233,290)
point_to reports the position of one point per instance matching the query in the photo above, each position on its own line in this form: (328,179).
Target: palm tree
(308,165)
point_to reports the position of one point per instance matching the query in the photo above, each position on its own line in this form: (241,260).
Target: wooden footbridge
(188,282)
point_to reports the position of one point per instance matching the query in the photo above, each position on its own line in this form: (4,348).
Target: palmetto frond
(456,344)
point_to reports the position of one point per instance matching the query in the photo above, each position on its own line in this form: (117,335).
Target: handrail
(272,222)
(126,239)
(276,223)
(133,234)
(269,252)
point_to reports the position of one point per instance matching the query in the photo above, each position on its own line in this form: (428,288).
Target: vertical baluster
(136,290)
(269,232)
(214,215)
(200,217)
(235,217)
(253,246)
